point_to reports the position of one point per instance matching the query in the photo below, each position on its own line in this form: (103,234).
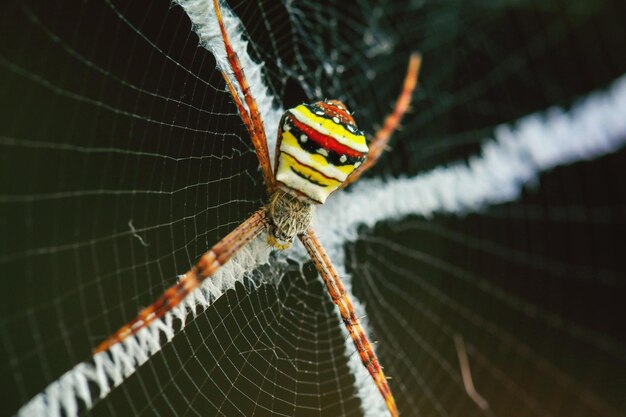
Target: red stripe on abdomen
(327,142)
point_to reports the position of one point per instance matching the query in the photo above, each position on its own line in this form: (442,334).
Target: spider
(319,150)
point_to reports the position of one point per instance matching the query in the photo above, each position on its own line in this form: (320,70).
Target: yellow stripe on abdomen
(304,179)
(310,173)
(330,128)
(290,144)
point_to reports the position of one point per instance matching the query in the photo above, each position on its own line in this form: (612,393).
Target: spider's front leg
(342,301)
(207,265)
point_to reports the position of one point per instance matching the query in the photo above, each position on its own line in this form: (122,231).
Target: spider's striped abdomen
(318,146)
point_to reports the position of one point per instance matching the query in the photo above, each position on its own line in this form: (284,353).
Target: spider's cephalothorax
(289,216)
(318,146)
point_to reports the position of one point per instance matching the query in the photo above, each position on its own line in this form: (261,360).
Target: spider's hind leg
(250,116)
(392,121)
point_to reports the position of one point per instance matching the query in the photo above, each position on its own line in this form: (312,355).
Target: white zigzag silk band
(593,127)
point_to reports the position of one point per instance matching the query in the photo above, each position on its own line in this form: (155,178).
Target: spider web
(484,250)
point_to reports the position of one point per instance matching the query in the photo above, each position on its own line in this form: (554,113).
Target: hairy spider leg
(392,121)
(252,120)
(207,265)
(242,110)
(342,301)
